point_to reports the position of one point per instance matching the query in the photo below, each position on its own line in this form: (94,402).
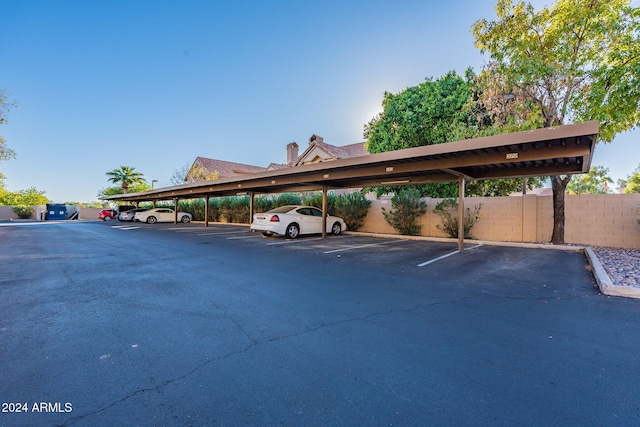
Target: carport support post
(206,211)
(460,213)
(175,212)
(324,212)
(251,207)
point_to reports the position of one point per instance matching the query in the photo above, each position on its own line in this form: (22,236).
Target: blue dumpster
(56,211)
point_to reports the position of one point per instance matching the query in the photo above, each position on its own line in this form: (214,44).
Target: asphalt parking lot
(132,324)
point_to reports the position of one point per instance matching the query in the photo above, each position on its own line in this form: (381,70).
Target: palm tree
(126,175)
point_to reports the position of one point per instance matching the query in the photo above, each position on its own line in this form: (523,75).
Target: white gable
(315,155)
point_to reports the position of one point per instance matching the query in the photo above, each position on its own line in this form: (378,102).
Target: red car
(107,214)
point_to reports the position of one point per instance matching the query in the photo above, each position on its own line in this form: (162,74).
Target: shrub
(286,199)
(240,209)
(407,207)
(315,199)
(447,210)
(23,212)
(214,210)
(226,208)
(193,206)
(233,209)
(261,204)
(353,208)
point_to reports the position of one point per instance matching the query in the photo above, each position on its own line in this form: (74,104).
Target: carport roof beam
(549,151)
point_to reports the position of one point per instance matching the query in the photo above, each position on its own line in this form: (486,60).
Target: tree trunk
(559,186)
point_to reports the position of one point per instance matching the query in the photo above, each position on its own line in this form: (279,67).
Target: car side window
(316,212)
(304,211)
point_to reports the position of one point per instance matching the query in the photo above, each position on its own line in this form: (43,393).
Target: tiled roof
(276,166)
(230,169)
(227,169)
(343,152)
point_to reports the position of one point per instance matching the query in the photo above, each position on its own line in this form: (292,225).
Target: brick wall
(594,219)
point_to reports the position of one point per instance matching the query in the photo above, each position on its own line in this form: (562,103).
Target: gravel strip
(622,265)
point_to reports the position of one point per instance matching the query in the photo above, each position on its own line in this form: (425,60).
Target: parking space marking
(186,230)
(431,261)
(215,233)
(239,238)
(287,241)
(362,246)
(125,227)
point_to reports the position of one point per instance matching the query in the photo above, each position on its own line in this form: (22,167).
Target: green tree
(632,184)
(126,176)
(433,112)
(134,188)
(5,106)
(28,197)
(576,61)
(595,182)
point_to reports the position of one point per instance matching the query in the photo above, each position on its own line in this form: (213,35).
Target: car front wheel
(152,220)
(107,218)
(293,231)
(336,229)
(185,219)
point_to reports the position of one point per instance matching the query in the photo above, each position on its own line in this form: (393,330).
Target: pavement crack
(256,343)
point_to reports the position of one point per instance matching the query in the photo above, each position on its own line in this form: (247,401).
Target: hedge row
(352,207)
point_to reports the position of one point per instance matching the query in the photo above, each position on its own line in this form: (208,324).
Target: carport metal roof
(549,151)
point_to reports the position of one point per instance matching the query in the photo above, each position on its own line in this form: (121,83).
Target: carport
(549,151)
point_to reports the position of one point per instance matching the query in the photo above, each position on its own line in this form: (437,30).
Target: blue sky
(154,84)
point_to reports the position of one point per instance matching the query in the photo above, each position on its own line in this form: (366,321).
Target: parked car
(152,216)
(107,214)
(293,220)
(129,214)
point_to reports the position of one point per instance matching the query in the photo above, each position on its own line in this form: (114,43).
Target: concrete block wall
(7,213)
(594,219)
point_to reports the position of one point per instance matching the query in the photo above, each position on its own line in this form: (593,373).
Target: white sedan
(293,220)
(161,215)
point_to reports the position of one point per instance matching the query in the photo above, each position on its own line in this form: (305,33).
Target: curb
(604,281)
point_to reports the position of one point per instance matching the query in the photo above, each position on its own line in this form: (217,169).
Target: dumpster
(56,211)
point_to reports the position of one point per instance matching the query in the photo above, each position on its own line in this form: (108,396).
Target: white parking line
(361,246)
(186,230)
(222,232)
(446,256)
(284,242)
(238,238)
(125,227)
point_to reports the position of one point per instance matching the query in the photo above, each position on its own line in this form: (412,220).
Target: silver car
(129,214)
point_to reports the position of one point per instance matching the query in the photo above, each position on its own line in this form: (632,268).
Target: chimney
(315,137)
(292,153)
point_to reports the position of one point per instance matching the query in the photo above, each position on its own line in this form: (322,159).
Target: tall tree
(576,61)
(632,183)
(133,188)
(5,106)
(433,112)
(595,182)
(125,176)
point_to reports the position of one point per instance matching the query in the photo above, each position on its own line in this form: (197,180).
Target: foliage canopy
(576,61)
(434,112)
(126,176)
(595,182)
